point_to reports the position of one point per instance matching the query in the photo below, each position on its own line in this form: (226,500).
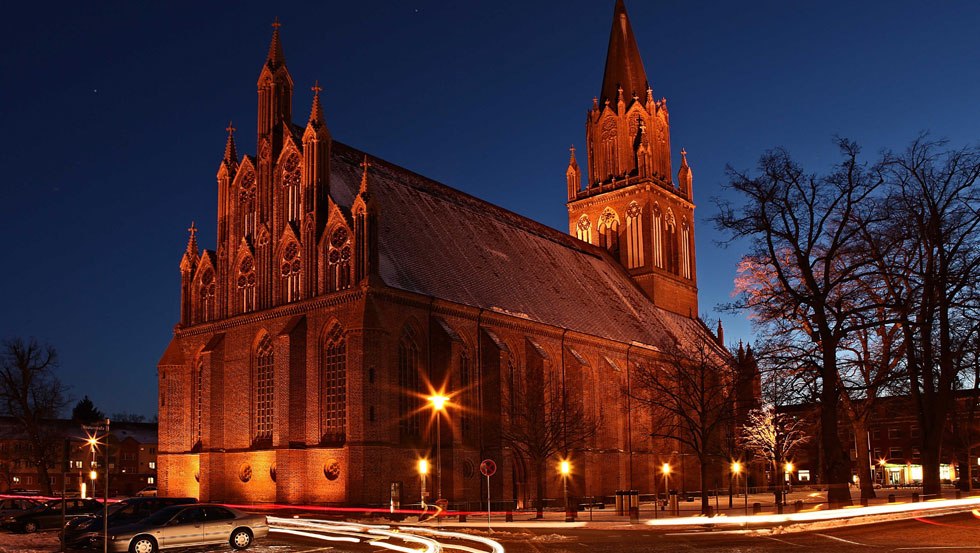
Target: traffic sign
(488,467)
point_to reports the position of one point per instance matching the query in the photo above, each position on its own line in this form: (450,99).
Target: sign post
(488,468)
(93,440)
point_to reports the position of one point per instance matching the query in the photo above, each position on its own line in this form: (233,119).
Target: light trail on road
(328,530)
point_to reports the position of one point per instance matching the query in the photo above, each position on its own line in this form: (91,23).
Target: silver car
(189,525)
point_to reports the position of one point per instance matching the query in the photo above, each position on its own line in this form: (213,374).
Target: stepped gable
(440,242)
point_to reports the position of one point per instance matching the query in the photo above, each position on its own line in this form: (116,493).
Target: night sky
(113,118)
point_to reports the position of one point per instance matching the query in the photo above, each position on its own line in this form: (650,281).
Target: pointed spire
(192,242)
(316,112)
(624,68)
(571,157)
(685,178)
(364,184)
(231,154)
(276,58)
(720,334)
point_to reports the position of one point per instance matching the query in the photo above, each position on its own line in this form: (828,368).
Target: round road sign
(488,467)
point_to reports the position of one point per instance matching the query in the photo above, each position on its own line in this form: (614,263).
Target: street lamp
(737,470)
(438,403)
(565,468)
(789,487)
(666,470)
(423,471)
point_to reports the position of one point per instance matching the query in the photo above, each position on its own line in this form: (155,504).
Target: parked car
(189,525)
(48,514)
(87,530)
(17,505)
(149,491)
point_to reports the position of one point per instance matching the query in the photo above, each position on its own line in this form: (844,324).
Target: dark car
(48,514)
(17,505)
(86,530)
(187,526)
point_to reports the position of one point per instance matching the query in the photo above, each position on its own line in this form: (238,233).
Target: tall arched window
(670,241)
(685,249)
(360,242)
(246,284)
(583,230)
(609,231)
(339,260)
(199,396)
(247,203)
(333,389)
(264,382)
(290,269)
(410,386)
(291,192)
(207,295)
(634,236)
(467,396)
(608,159)
(658,237)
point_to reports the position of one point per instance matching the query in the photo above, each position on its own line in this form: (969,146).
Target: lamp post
(565,468)
(737,470)
(665,469)
(438,403)
(423,470)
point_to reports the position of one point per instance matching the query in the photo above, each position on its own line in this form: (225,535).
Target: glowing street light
(423,471)
(438,403)
(737,470)
(565,469)
(665,469)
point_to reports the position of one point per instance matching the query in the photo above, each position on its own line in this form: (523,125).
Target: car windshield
(161,517)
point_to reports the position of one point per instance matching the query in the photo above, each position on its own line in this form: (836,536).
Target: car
(17,505)
(87,530)
(49,513)
(149,491)
(189,525)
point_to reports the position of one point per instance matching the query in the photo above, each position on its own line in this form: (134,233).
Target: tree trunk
(863,459)
(932,446)
(837,467)
(539,470)
(777,479)
(703,473)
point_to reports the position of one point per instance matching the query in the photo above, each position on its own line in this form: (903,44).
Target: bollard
(959,494)
(569,514)
(509,516)
(709,511)
(915,496)
(634,515)
(462,517)
(864,501)
(891,498)
(756,508)
(797,505)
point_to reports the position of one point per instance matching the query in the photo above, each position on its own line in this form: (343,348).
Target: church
(345,291)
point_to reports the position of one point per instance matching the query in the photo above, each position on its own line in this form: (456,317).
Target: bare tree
(544,423)
(802,231)
(691,392)
(773,436)
(31,393)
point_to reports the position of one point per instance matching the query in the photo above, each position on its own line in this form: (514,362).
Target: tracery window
(608,159)
(658,237)
(290,269)
(685,249)
(246,284)
(360,241)
(334,386)
(247,203)
(207,295)
(339,260)
(264,383)
(670,242)
(466,393)
(609,231)
(199,395)
(634,236)
(583,230)
(410,386)
(291,178)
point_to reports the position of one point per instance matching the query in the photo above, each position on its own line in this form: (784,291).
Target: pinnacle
(192,241)
(316,111)
(276,58)
(624,74)
(231,154)
(364,183)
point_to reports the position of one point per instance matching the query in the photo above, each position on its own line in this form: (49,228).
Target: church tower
(630,204)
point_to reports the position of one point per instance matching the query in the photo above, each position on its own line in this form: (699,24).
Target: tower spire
(231,153)
(364,182)
(276,58)
(624,68)
(316,111)
(192,241)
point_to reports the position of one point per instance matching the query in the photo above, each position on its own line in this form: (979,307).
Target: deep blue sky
(113,118)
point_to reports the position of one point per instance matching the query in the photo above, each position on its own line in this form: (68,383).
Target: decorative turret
(573,175)
(720,334)
(230,159)
(316,157)
(275,99)
(188,264)
(685,178)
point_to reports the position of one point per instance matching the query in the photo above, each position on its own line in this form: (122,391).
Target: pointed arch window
(339,260)
(246,284)
(410,386)
(670,242)
(291,178)
(609,231)
(658,237)
(685,249)
(333,388)
(583,230)
(264,390)
(608,159)
(290,269)
(360,243)
(634,236)
(199,396)
(247,203)
(207,295)
(467,395)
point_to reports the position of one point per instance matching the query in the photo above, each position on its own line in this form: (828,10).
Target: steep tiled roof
(440,242)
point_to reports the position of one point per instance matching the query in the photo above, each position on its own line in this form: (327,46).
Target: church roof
(623,64)
(440,242)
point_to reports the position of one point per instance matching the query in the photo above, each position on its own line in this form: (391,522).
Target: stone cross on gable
(316,88)
(193,231)
(230,128)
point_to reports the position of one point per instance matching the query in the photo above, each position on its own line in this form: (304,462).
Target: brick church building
(344,290)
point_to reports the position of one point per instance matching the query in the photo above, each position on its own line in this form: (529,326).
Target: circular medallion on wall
(245,472)
(469,469)
(197,476)
(331,469)
(272,472)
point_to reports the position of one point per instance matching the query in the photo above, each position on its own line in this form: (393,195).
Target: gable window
(199,394)
(246,284)
(609,232)
(670,242)
(334,386)
(685,249)
(290,269)
(339,260)
(207,295)
(583,230)
(264,383)
(247,203)
(291,178)
(658,237)
(634,236)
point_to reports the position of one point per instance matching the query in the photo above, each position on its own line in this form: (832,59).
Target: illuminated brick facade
(344,289)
